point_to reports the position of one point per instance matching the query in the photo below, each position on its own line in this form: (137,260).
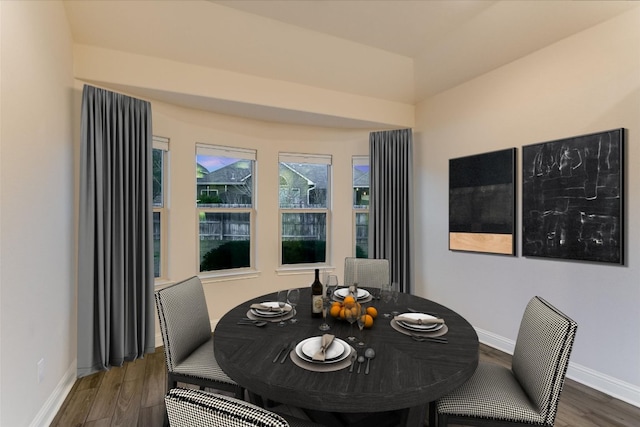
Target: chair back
(195,408)
(184,319)
(366,272)
(541,355)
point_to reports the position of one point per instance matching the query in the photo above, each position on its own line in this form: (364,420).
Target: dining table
(406,375)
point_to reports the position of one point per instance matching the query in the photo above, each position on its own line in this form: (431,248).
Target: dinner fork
(439,340)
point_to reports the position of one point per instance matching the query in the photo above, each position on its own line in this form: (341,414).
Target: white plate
(337,351)
(271,313)
(343,292)
(425,326)
(421,328)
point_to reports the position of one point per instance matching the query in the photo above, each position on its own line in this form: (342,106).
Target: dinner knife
(280,352)
(286,353)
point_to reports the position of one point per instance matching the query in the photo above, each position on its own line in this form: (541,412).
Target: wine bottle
(316,296)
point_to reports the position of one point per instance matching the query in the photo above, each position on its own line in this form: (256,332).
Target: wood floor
(132,395)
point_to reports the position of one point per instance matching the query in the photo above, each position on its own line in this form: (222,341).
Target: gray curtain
(391,202)
(115,259)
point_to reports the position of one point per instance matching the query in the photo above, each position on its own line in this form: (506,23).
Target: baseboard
(50,409)
(611,386)
(614,387)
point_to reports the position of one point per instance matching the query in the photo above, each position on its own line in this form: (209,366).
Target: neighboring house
(230,184)
(302,185)
(361,186)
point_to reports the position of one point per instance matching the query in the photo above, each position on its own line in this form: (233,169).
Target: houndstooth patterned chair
(372,273)
(529,392)
(187,338)
(195,408)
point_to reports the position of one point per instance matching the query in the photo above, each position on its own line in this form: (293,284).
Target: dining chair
(529,392)
(188,341)
(196,408)
(368,272)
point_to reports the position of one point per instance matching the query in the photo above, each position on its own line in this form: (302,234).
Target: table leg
(413,417)
(432,414)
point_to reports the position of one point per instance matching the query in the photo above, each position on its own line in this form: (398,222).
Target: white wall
(587,83)
(37,258)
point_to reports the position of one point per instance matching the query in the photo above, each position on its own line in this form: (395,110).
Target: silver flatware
(439,340)
(275,359)
(354,357)
(369,354)
(258,323)
(288,350)
(360,360)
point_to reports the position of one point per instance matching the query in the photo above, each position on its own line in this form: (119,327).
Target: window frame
(236,153)
(162,143)
(325,159)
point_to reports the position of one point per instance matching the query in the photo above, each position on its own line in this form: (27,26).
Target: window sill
(225,276)
(305,269)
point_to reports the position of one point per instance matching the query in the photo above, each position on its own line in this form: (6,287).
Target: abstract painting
(572,198)
(482,203)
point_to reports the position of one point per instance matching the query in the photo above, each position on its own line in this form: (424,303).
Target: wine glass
(282,302)
(351,315)
(332,285)
(361,321)
(395,291)
(326,304)
(293,296)
(386,295)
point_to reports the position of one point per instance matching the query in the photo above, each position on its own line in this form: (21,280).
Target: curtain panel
(391,202)
(115,259)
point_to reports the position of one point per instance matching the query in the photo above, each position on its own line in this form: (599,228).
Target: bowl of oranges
(341,309)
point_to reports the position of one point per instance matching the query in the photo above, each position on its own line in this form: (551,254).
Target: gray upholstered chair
(195,408)
(529,392)
(187,338)
(373,273)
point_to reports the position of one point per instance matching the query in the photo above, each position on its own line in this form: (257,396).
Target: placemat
(274,319)
(402,330)
(322,367)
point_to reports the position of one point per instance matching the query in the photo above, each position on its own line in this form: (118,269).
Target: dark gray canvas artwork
(482,202)
(572,198)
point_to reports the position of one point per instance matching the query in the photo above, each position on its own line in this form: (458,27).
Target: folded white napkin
(327,339)
(265,307)
(418,321)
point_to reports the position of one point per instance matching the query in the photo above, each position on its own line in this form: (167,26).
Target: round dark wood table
(404,375)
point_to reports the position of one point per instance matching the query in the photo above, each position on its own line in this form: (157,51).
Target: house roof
(232,174)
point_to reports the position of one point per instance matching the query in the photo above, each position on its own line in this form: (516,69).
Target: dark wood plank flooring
(132,395)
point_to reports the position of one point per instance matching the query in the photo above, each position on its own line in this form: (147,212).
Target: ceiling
(466,38)
(420,48)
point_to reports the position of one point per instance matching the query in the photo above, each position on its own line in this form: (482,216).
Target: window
(159,156)
(361,205)
(225,206)
(304,208)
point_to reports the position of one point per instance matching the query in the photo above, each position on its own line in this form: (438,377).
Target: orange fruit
(342,313)
(349,301)
(371,311)
(335,310)
(368,320)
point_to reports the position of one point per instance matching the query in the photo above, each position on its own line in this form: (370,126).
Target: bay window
(225,207)
(160,156)
(304,197)
(360,174)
